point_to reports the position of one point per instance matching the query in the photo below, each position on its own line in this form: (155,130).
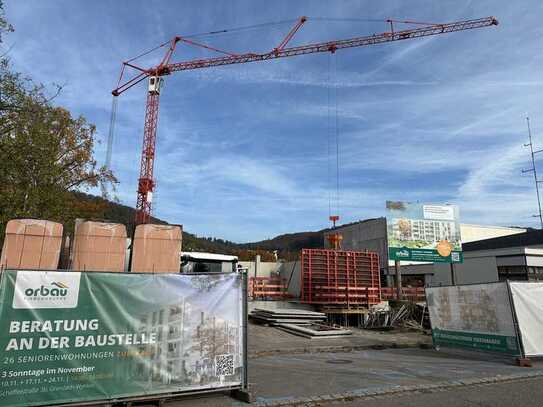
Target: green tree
(45,153)
(4,25)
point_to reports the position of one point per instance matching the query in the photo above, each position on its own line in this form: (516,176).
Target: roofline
(208,256)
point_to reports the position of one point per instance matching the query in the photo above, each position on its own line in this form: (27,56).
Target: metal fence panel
(528,301)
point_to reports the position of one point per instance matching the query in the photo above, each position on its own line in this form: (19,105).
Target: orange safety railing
(413,294)
(267,288)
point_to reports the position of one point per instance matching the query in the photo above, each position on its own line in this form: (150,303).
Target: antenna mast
(533,169)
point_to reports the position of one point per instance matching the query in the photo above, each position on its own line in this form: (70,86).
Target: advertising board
(68,337)
(423,232)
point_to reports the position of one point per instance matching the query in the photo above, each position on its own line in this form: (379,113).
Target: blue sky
(243,150)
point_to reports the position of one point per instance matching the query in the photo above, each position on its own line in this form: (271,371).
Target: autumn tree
(45,153)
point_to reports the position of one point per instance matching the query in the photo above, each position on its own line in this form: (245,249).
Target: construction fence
(74,337)
(505,317)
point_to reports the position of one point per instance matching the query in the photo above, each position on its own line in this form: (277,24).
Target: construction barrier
(528,308)
(413,294)
(475,316)
(340,277)
(74,337)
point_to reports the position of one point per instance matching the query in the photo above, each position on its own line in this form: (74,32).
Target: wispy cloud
(243,150)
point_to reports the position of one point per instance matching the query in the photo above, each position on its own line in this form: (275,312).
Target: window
(518,273)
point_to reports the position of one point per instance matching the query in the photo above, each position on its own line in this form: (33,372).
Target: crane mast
(146,182)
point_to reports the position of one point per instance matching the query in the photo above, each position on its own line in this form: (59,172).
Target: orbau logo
(402,253)
(59,290)
(40,289)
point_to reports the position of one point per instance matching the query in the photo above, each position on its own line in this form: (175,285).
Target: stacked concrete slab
(31,244)
(99,246)
(156,249)
(287,316)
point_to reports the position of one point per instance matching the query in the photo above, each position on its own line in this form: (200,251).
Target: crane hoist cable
(332,132)
(336,128)
(328,137)
(109,145)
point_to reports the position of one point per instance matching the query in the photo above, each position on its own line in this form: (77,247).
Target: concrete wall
(263,268)
(476,268)
(369,234)
(291,271)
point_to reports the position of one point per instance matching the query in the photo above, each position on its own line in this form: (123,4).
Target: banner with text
(423,232)
(476,316)
(73,337)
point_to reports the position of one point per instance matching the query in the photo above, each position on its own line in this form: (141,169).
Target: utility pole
(397,268)
(533,169)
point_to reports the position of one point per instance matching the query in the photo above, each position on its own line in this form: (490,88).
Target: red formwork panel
(340,277)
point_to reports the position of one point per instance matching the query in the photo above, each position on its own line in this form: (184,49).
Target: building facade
(371,234)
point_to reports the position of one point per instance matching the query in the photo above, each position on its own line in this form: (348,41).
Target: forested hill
(287,246)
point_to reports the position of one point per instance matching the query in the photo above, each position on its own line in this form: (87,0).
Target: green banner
(73,337)
(473,316)
(427,255)
(489,342)
(423,232)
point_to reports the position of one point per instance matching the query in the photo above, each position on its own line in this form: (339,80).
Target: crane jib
(146,182)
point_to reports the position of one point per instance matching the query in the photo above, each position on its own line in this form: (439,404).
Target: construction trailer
(201,262)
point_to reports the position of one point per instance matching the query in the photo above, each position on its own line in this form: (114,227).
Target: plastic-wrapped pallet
(31,244)
(156,249)
(99,246)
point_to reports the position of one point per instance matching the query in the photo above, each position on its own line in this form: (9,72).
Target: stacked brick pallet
(337,277)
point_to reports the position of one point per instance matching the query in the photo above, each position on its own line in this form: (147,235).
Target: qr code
(455,256)
(224,365)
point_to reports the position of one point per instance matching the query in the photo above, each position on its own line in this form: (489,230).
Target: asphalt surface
(294,376)
(521,393)
(298,378)
(266,341)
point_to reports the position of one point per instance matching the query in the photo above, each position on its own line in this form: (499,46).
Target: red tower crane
(155,73)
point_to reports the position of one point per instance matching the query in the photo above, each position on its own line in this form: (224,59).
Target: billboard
(72,337)
(476,316)
(423,232)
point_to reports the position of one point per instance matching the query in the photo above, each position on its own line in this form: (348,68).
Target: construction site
(411,306)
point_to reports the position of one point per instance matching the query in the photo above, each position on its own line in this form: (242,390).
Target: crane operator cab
(155,83)
(200,262)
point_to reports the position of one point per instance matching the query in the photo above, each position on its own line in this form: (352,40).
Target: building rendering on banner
(189,343)
(428,230)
